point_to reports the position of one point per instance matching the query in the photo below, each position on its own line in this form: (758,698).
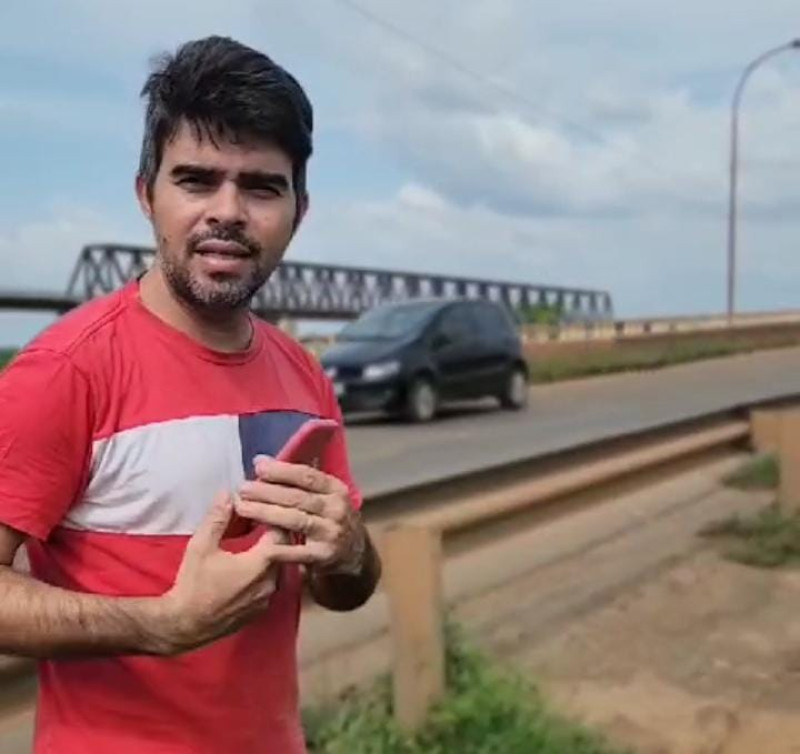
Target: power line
(462,68)
(487,81)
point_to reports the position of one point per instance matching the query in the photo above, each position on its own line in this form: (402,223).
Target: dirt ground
(703,658)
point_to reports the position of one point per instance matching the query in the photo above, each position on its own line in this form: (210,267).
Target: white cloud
(573,109)
(590,148)
(40,255)
(419,230)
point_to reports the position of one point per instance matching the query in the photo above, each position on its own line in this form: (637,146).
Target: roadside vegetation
(769,538)
(488,710)
(760,473)
(575,362)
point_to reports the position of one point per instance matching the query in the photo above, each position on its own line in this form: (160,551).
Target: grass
(762,473)
(768,539)
(639,357)
(487,710)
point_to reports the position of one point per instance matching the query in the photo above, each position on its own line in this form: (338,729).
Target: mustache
(224,233)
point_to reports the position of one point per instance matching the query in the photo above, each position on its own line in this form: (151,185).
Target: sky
(562,143)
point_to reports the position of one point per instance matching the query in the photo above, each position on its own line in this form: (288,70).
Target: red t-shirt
(116,431)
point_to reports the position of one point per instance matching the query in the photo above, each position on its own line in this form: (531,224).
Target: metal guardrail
(412,551)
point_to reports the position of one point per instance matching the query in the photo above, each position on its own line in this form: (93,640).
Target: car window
(455,324)
(491,322)
(389,322)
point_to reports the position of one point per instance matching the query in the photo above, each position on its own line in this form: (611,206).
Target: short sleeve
(336,461)
(45,440)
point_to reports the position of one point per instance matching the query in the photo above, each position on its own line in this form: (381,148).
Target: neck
(228,332)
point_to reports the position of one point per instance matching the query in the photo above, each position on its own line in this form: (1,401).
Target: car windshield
(390,322)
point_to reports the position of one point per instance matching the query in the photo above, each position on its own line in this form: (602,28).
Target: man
(162,625)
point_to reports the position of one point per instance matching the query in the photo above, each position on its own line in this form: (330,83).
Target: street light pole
(734,169)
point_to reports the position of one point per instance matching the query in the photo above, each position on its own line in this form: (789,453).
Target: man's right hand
(216,592)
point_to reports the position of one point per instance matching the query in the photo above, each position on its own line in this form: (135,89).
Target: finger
(267,553)
(289,497)
(275,535)
(309,553)
(288,519)
(209,534)
(295,475)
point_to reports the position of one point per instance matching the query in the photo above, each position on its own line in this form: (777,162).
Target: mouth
(224,249)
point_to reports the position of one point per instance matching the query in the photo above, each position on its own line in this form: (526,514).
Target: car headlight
(381,370)
(330,373)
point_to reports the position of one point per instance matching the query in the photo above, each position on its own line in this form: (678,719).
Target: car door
(453,352)
(497,346)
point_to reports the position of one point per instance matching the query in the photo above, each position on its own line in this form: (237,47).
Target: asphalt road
(389,455)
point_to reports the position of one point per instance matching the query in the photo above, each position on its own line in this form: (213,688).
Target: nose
(226,206)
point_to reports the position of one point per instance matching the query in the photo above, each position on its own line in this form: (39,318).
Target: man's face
(223,215)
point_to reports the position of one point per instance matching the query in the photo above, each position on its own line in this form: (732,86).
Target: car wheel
(515,391)
(422,400)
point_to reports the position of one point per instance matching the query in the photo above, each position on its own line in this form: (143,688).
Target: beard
(220,293)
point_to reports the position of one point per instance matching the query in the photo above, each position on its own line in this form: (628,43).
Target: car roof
(440,301)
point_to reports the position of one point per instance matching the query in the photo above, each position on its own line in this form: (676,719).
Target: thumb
(209,533)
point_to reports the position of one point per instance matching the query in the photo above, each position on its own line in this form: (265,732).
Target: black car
(411,357)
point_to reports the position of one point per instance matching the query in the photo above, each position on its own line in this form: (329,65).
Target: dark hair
(225,89)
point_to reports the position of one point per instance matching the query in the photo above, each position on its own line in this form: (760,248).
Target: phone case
(305,447)
(308,443)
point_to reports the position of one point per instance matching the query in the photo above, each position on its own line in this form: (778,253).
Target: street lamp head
(795,43)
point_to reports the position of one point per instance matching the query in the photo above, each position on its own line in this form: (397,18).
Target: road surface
(388,455)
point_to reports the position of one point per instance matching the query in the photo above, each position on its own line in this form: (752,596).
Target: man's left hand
(311,503)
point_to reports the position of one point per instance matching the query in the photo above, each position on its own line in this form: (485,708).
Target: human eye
(195,183)
(265,191)
(264,186)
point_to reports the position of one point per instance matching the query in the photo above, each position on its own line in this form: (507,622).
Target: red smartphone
(308,443)
(306,447)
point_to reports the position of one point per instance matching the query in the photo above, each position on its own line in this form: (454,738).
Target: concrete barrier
(789,455)
(625,329)
(412,563)
(621,330)
(765,428)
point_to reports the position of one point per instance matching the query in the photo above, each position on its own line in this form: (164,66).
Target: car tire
(515,393)
(422,400)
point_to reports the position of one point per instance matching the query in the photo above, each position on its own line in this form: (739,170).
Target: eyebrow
(247,178)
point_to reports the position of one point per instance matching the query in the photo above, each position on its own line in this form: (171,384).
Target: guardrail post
(765,429)
(790,460)
(412,560)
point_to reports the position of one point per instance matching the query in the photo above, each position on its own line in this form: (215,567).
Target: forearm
(43,621)
(348,588)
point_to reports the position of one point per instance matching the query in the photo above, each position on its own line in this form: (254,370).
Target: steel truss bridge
(304,290)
